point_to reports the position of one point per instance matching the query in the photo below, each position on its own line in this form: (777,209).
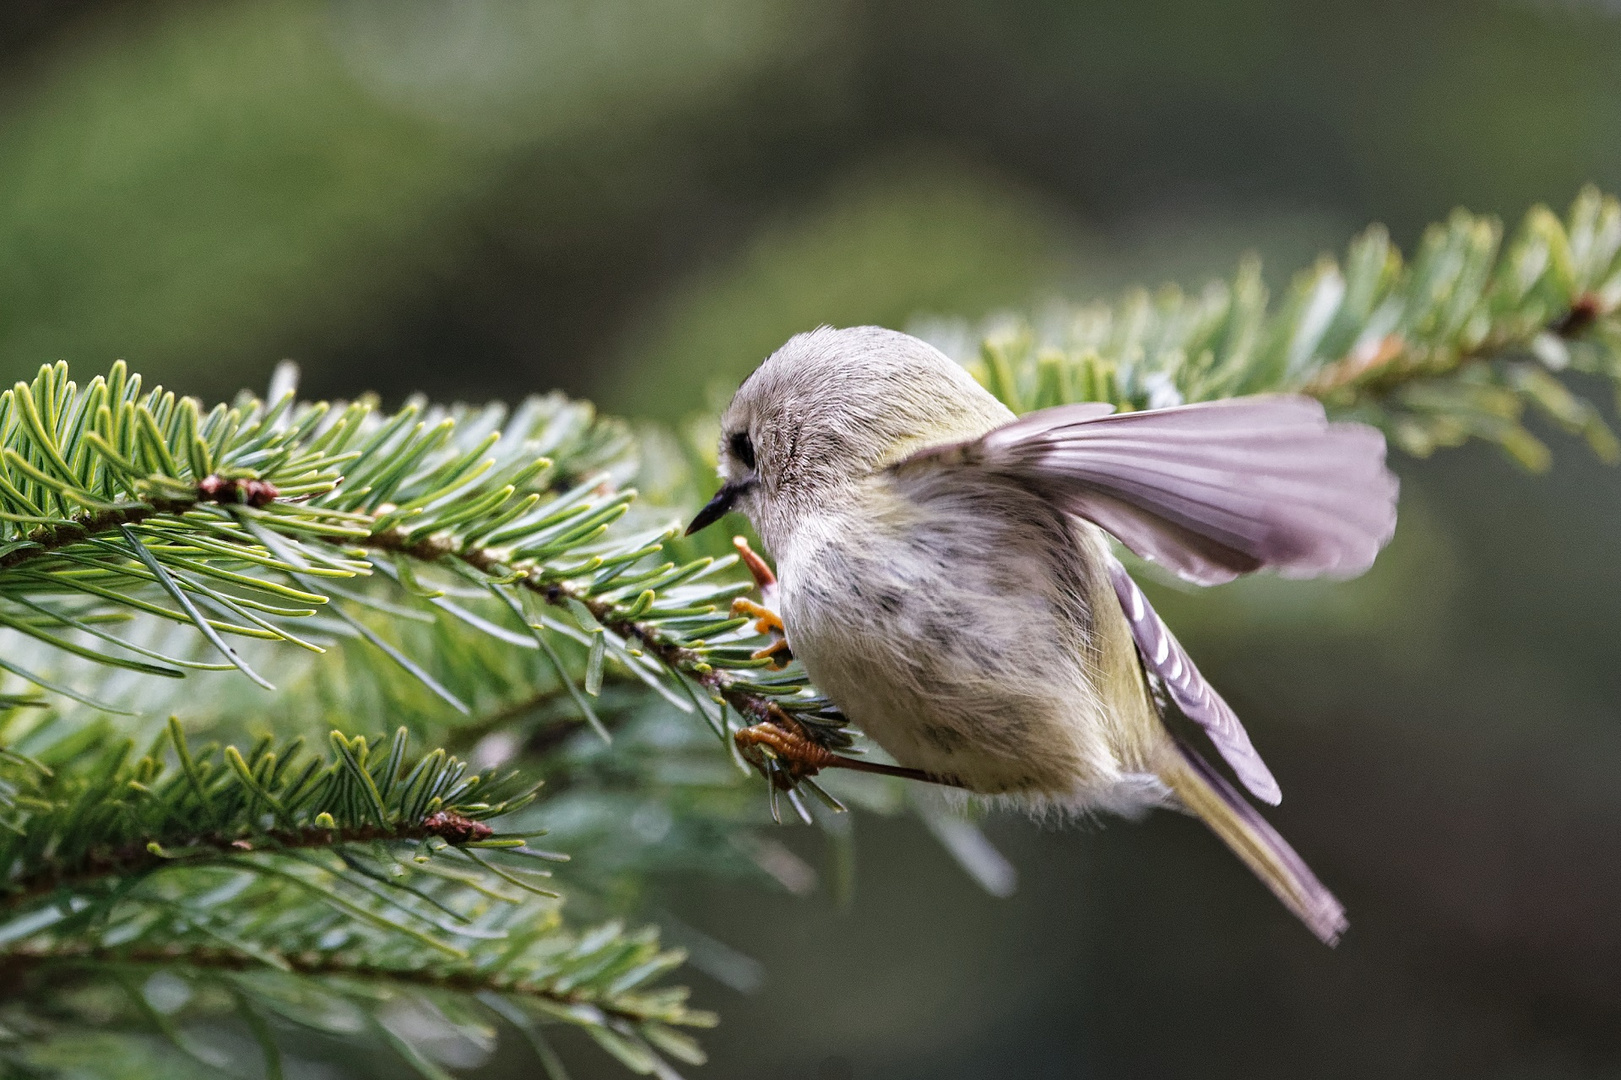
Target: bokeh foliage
(197,186)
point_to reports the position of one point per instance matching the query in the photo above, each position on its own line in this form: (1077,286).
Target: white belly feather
(970,648)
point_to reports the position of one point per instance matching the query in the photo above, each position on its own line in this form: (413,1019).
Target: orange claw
(786,741)
(777,650)
(765,620)
(763,577)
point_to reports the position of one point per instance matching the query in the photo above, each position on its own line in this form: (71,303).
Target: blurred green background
(636,200)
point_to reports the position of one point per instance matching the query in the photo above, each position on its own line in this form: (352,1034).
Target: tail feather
(1208,796)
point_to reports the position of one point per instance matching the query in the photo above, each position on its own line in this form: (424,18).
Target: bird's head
(830,409)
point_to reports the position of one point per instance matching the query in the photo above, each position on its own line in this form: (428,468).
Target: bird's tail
(1209,797)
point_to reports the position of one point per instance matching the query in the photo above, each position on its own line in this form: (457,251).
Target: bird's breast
(957,633)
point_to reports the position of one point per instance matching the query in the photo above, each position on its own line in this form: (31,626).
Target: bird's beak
(718,507)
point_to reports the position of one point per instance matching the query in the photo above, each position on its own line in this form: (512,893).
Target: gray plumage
(1164,656)
(946,579)
(1212,490)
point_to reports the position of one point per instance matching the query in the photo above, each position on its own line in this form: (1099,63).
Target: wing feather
(1211,490)
(1163,655)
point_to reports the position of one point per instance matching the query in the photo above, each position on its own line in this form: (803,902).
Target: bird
(945,573)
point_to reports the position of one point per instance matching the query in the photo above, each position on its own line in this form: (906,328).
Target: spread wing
(1211,490)
(1162,654)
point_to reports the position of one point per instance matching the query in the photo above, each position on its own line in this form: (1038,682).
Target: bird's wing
(1163,655)
(1209,491)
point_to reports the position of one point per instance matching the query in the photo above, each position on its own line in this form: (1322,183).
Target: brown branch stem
(217,489)
(1393,361)
(137,858)
(558,594)
(903,772)
(48,538)
(18,963)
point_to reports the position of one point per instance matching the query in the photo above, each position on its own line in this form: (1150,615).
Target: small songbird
(947,581)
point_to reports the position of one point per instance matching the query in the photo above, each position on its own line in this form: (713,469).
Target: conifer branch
(17,966)
(1456,344)
(269,802)
(251,863)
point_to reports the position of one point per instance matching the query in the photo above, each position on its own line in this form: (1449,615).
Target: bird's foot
(758,569)
(778,651)
(788,757)
(766,621)
(781,749)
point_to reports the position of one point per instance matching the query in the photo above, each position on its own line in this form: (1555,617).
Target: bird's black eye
(742,448)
